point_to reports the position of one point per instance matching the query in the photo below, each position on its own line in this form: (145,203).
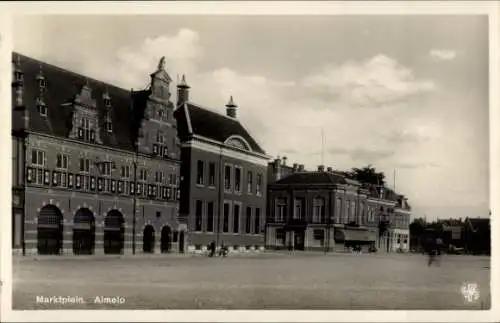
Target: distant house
(477,236)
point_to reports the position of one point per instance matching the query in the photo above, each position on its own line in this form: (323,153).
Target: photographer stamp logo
(470,291)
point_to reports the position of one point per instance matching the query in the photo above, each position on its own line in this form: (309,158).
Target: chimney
(329,169)
(284,160)
(295,167)
(301,167)
(182,91)
(321,168)
(231,108)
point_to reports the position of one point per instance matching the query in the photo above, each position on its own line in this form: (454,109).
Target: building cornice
(96,146)
(199,138)
(212,146)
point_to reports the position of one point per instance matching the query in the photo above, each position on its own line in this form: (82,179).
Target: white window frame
(231,180)
(240,190)
(64,161)
(40,155)
(87,165)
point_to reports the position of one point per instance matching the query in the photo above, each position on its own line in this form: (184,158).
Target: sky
(406,94)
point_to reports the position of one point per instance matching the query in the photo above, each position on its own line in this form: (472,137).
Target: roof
(62,86)
(479,224)
(212,125)
(313,178)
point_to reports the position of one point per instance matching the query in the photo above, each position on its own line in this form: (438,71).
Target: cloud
(442,54)
(286,115)
(374,82)
(363,154)
(416,165)
(399,136)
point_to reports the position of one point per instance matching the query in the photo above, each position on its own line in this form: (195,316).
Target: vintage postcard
(249,161)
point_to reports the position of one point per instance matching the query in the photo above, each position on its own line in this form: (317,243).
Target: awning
(355,235)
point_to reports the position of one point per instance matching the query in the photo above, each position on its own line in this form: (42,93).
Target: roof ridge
(66,70)
(204,107)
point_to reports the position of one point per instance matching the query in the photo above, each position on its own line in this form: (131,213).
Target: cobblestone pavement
(264,281)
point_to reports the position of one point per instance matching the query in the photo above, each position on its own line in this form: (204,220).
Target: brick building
(84,154)
(324,210)
(224,177)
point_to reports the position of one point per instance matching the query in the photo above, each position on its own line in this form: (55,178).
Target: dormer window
(109,123)
(85,132)
(41,107)
(42,83)
(106,99)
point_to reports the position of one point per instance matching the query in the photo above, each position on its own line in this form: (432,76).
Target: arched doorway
(181,242)
(114,233)
(148,239)
(166,243)
(83,232)
(50,230)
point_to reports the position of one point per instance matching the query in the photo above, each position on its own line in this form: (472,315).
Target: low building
(84,180)
(324,210)
(477,236)
(223,177)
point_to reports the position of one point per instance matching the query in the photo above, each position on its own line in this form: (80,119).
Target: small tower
(231,108)
(182,91)
(18,81)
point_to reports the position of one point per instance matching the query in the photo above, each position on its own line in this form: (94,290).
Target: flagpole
(322,146)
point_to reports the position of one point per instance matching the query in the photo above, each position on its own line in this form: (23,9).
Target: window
(105,168)
(210,217)
(280,214)
(38,157)
(85,165)
(257,221)
(249,182)
(159,177)
(62,161)
(225,223)
(258,188)
(347,211)
(353,212)
(211,174)
(338,210)
(199,172)
(248,220)
(41,107)
(198,215)
(237,179)
(108,122)
(319,236)
(227,178)
(125,173)
(298,209)
(236,218)
(84,131)
(158,214)
(143,174)
(318,210)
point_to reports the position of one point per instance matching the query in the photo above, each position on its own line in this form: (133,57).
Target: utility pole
(219,197)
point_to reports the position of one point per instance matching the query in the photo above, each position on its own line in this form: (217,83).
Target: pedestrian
(212,249)
(432,250)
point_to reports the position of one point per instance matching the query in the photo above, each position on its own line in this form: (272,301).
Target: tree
(367,174)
